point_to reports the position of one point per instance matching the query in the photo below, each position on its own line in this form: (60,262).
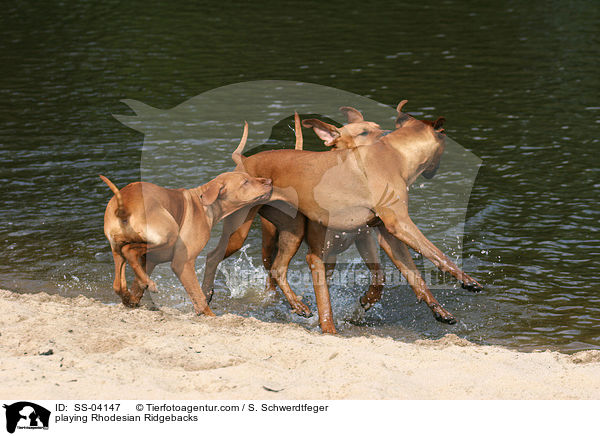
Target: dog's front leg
(235,231)
(399,224)
(185,269)
(400,256)
(368,250)
(317,267)
(288,244)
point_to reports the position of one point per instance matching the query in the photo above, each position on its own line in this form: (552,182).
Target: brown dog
(347,189)
(147,225)
(325,244)
(285,237)
(282,241)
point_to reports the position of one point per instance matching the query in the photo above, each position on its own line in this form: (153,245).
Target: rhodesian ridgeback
(147,224)
(347,189)
(286,237)
(282,241)
(325,244)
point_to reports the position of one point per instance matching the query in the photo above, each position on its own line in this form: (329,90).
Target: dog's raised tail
(298,131)
(121,212)
(237,154)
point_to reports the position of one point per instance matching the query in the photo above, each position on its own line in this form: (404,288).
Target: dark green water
(518,84)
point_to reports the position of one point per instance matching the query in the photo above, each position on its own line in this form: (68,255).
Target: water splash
(242,277)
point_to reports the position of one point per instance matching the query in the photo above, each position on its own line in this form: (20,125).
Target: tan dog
(325,244)
(147,225)
(282,241)
(347,189)
(285,237)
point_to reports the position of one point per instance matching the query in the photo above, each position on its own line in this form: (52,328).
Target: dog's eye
(365,133)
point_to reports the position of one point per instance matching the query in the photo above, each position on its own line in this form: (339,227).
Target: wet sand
(52,347)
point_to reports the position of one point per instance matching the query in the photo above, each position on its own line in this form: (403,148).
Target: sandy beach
(53,347)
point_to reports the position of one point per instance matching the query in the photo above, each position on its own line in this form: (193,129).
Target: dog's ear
(437,124)
(352,114)
(211,191)
(327,132)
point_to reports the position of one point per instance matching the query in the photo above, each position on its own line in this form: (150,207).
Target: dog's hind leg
(120,282)
(317,268)
(134,253)
(137,288)
(330,263)
(288,242)
(368,250)
(269,251)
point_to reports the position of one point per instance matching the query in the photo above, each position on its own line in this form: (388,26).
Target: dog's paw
(372,296)
(473,287)
(328,330)
(152,287)
(130,304)
(366,304)
(301,309)
(208,312)
(442,315)
(448,319)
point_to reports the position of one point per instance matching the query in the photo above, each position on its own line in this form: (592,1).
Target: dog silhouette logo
(194,140)
(26,415)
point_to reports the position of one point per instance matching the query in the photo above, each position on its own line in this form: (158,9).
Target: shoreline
(54,347)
